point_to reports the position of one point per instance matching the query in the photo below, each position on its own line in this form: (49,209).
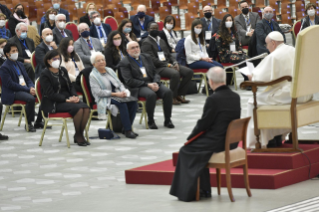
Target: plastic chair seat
(60,115)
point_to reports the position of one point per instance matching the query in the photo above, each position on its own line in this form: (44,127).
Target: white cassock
(277,64)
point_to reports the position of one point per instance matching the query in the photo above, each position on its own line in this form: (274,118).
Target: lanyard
(159,47)
(200,46)
(122,56)
(209,26)
(74,62)
(311,22)
(24,44)
(247,22)
(142,25)
(17,69)
(271,26)
(140,64)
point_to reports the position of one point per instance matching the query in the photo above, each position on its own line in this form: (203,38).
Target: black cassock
(220,109)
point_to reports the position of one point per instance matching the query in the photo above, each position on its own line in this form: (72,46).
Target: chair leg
(109,120)
(66,132)
(198,189)
(89,121)
(25,118)
(228,182)
(4,116)
(61,134)
(20,119)
(43,131)
(206,86)
(235,79)
(200,83)
(218,178)
(246,180)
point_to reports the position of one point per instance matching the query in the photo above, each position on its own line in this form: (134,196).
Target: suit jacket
(110,60)
(241,27)
(10,81)
(132,75)
(150,47)
(82,49)
(61,11)
(137,26)
(40,52)
(94,33)
(86,19)
(306,23)
(57,37)
(216,23)
(29,42)
(163,36)
(262,30)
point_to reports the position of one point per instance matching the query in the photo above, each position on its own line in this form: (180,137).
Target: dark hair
(63,49)
(7,48)
(150,23)
(242,2)
(169,18)
(308,7)
(14,9)
(110,45)
(49,55)
(223,31)
(201,35)
(121,26)
(49,11)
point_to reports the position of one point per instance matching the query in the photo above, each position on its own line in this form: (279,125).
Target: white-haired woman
(110,93)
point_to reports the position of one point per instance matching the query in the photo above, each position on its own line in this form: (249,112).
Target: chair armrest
(245,84)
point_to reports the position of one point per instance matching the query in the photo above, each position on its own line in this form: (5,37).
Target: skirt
(72,108)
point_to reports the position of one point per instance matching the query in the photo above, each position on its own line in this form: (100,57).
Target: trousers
(29,108)
(127,111)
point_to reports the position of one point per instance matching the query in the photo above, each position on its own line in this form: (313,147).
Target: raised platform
(266,170)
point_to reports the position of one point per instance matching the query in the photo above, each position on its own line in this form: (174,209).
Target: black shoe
(3,137)
(205,194)
(152,126)
(40,125)
(135,134)
(31,128)
(130,134)
(169,124)
(82,143)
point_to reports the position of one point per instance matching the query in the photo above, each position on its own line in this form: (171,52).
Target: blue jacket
(61,11)
(137,27)
(10,81)
(93,32)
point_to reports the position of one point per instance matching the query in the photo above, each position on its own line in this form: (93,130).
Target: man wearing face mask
(59,32)
(56,5)
(166,65)
(245,23)
(16,85)
(86,45)
(264,27)
(210,24)
(40,51)
(98,29)
(25,48)
(140,22)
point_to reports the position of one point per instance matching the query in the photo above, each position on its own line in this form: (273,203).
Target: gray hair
(81,25)
(94,12)
(129,43)
(18,27)
(94,55)
(217,75)
(141,5)
(59,15)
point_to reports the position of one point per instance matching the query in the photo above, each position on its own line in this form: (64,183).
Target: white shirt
(193,51)
(248,27)
(98,32)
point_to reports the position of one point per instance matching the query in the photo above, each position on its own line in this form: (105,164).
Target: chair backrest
(7,24)
(296,28)
(33,61)
(86,91)
(38,90)
(74,29)
(160,25)
(112,22)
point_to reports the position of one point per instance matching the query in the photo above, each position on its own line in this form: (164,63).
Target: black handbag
(107,134)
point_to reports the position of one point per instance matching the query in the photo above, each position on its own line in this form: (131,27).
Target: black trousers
(29,70)
(151,96)
(30,100)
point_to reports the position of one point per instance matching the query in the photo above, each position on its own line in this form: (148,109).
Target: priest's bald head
(273,40)
(217,77)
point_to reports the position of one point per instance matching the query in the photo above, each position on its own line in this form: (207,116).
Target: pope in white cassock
(277,64)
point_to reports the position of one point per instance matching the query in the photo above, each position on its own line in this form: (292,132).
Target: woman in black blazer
(86,19)
(58,95)
(168,34)
(311,19)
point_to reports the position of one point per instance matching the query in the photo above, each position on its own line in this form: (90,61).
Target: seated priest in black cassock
(222,107)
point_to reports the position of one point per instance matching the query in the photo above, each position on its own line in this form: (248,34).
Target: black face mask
(154,33)
(245,11)
(20,13)
(208,15)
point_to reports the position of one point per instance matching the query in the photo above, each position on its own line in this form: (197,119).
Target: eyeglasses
(207,11)
(118,38)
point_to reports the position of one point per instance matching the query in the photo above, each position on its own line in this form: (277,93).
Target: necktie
(208,24)
(101,33)
(247,20)
(90,45)
(62,33)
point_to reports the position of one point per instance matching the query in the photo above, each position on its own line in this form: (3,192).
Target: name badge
(208,35)
(21,80)
(232,47)
(143,70)
(28,52)
(103,41)
(142,32)
(161,56)
(77,72)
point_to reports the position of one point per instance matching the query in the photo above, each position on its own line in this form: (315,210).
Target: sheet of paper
(250,66)
(245,71)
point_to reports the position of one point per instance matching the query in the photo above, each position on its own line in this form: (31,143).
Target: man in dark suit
(210,24)
(138,72)
(166,65)
(16,85)
(40,51)
(245,23)
(59,32)
(25,48)
(56,5)
(222,107)
(98,29)
(264,27)
(140,22)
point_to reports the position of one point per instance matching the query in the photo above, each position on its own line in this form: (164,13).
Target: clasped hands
(154,86)
(73,99)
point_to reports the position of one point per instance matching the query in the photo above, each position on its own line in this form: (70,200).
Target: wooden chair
(73,13)
(177,22)
(209,2)
(260,3)
(274,5)
(119,17)
(150,12)
(183,4)
(285,8)
(233,3)
(304,83)
(32,13)
(300,15)
(156,4)
(174,2)
(232,10)
(257,10)
(189,18)
(221,4)
(108,13)
(169,6)
(299,6)
(219,13)
(286,19)
(228,159)
(124,11)
(40,13)
(163,13)
(193,8)
(74,29)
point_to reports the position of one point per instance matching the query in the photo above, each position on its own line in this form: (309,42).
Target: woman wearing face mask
(125,28)
(195,48)
(168,34)
(4,33)
(58,95)
(86,19)
(50,20)
(17,17)
(70,59)
(3,58)
(311,19)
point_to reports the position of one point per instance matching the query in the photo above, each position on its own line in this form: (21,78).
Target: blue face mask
(85,34)
(23,35)
(127,30)
(56,6)
(141,14)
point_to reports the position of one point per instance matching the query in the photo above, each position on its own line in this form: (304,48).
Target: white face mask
(14,56)
(228,24)
(61,25)
(311,12)
(55,64)
(49,38)
(2,23)
(1,51)
(169,26)
(97,21)
(52,17)
(197,31)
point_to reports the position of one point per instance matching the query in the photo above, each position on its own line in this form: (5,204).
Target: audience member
(195,50)
(43,48)
(98,29)
(114,50)
(138,72)
(17,17)
(59,95)
(125,28)
(25,47)
(56,5)
(16,85)
(264,27)
(220,109)
(311,18)
(140,22)
(245,23)
(166,65)
(50,20)
(210,25)
(59,32)
(86,45)
(70,59)
(109,92)
(5,33)
(90,7)
(169,35)
(5,10)
(3,43)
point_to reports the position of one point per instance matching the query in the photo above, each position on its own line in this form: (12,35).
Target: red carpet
(266,170)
